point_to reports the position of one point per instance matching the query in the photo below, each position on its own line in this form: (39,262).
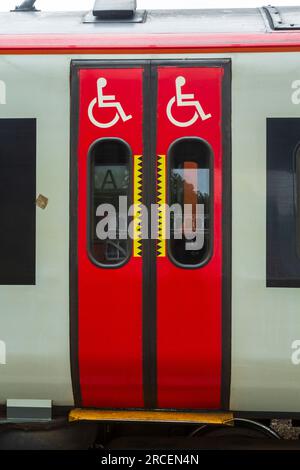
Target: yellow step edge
(80,414)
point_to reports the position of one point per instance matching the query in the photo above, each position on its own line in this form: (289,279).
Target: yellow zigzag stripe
(137,200)
(161,200)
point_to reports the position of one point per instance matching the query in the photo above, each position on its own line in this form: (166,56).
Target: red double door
(149,315)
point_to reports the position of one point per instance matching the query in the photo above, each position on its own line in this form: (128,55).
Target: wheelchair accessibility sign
(185,100)
(181,100)
(106,101)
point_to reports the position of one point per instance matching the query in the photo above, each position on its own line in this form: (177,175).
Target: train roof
(152,28)
(229,20)
(154,21)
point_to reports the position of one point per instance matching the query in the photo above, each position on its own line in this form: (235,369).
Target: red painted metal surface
(189,313)
(145,43)
(109,300)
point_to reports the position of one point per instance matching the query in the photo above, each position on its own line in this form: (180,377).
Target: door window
(110,179)
(190,188)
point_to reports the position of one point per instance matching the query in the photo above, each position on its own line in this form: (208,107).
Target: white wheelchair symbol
(182,100)
(106,101)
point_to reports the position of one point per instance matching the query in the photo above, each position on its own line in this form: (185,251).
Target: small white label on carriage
(295,97)
(106,101)
(2,353)
(2,92)
(295,357)
(185,100)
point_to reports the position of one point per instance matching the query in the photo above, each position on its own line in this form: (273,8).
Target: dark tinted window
(283,215)
(190,185)
(110,179)
(17,201)
(297,198)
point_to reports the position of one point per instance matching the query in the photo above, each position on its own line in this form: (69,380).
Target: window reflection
(190,184)
(109,179)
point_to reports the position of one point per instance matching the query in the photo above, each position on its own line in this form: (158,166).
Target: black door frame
(149,250)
